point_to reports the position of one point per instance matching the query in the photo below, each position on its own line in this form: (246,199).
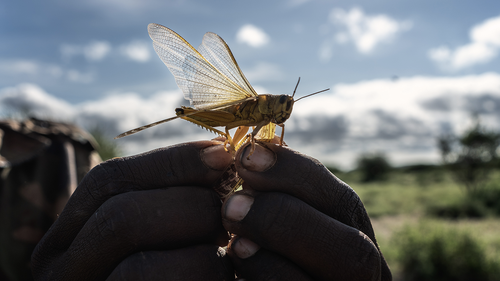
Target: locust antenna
(312,94)
(296,88)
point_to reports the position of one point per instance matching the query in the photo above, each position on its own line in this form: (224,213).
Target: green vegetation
(407,190)
(435,251)
(373,167)
(424,224)
(471,157)
(482,203)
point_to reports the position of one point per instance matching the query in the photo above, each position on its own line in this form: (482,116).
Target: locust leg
(240,136)
(230,141)
(282,133)
(252,137)
(213,130)
(240,133)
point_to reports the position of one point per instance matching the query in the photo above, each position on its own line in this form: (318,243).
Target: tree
(472,156)
(373,166)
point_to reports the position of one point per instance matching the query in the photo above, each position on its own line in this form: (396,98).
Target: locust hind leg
(213,130)
(230,141)
(240,134)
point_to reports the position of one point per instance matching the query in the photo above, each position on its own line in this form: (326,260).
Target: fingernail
(244,248)
(262,159)
(237,206)
(215,157)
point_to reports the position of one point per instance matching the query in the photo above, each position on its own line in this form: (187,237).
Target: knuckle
(282,218)
(116,218)
(106,180)
(368,265)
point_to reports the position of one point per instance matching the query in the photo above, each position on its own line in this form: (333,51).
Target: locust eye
(282,99)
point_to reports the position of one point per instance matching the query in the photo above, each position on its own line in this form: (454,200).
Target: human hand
(295,220)
(142,217)
(122,221)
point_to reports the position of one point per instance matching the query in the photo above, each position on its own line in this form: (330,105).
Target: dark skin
(154,216)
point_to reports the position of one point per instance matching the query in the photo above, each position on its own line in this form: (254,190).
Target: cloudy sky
(401,72)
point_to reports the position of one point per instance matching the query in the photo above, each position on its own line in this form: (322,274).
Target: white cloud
(137,51)
(364,31)
(488,32)
(21,66)
(483,47)
(79,77)
(96,50)
(114,114)
(69,51)
(261,90)
(33,100)
(401,118)
(252,35)
(29,68)
(440,54)
(93,51)
(264,71)
(325,51)
(130,110)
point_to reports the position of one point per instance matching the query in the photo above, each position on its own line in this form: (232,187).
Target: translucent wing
(215,50)
(202,83)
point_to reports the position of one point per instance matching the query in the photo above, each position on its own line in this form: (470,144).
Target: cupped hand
(155,216)
(295,220)
(144,217)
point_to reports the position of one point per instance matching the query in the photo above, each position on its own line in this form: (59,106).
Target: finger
(254,263)
(137,221)
(324,247)
(277,168)
(197,163)
(202,262)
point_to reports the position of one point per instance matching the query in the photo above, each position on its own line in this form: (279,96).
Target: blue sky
(401,72)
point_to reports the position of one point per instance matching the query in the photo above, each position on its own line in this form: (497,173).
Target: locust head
(283,106)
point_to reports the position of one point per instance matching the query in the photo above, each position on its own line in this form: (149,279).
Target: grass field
(399,206)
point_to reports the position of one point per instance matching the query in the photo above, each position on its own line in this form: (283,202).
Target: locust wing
(202,83)
(215,50)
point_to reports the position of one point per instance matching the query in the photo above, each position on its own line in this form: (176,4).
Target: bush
(472,156)
(490,197)
(482,203)
(373,167)
(466,208)
(430,251)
